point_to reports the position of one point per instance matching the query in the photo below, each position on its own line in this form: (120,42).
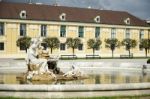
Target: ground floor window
(22,48)
(62,46)
(1,46)
(80,47)
(140,48)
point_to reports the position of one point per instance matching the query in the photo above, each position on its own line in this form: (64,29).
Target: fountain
(45,67)
(49,77)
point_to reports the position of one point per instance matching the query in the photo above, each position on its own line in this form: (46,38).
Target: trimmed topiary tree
(145,43)
(129,44)
(24,42)
(52,43)
(94,44)
(73,43)
(112,44)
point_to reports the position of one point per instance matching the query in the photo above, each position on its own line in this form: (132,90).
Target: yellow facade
(12,31)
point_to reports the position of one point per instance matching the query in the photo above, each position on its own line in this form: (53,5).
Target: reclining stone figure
(75,72)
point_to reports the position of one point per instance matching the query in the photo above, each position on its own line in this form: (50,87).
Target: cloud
(139,8)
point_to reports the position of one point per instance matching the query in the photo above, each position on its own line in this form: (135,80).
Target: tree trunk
(73,52)
(112,53)
(146,52)
(93,51)
(26,50)
(51,50)
(129,52)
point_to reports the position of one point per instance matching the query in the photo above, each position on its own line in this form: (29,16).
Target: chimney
(89,7)
(56,3)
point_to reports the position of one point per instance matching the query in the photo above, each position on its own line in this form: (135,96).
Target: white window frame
(25,29)
(97,19)
(126,33)
(23,16)
(113,33)
(42,29)
(83,31)
(65,31)
(61,17)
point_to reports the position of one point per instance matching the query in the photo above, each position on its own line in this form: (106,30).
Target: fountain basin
(74,88)
(130,79)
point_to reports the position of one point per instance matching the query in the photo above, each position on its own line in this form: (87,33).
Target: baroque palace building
(34,20)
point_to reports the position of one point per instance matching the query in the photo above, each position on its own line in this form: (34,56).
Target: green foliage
(129,44)
(94,44)
(52,42)
(73,43)
(24,42)
(145,43)
(112,44)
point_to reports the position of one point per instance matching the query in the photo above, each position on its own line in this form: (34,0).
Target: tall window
(1,29)
(148,34)
(1,46)
(62,46)
(141,34)
(63,31)
(43,30)
(22,29)
(97,32)
(81,31)
(80,47)
(113,33)
(127,33)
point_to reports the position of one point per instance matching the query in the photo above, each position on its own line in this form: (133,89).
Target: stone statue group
(39,66)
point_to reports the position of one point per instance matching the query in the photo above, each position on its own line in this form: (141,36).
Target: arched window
(63,16)
(97,19)
(127,21)
(23,14)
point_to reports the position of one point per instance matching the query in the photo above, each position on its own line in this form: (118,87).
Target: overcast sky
(139,8)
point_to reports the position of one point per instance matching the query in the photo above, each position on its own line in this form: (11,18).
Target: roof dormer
(127,21)
(97,19)
(62,17)
(23,14)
